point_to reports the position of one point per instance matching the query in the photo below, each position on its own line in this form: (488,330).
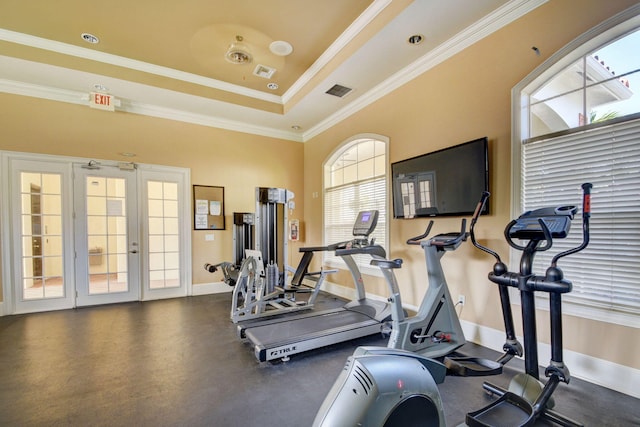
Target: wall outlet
(461,299)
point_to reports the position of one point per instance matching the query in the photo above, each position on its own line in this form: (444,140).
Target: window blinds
(606,275)
(341,207)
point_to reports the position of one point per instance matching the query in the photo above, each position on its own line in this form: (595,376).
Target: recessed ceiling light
(273,86)
(415,39)
(90,38)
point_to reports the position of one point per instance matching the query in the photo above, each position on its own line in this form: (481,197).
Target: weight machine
(264,284)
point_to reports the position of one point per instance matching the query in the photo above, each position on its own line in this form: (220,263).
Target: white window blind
(605,275)
(355,179)
(341,207)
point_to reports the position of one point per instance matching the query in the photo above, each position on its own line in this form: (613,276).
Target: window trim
(603,33)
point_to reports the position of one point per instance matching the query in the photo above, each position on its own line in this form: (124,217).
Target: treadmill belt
(312,326)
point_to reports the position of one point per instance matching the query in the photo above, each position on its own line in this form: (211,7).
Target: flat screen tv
(445,182)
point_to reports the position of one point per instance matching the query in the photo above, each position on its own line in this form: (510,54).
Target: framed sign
(208,207)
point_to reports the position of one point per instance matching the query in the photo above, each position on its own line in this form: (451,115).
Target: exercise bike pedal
(466,366)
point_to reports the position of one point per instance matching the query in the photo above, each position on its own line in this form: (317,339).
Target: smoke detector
(281,48)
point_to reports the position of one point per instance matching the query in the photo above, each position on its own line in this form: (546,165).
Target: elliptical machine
(377,387)
(527,398)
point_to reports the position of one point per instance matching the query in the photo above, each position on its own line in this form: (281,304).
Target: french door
(89,233)
(38,270)
(106,235)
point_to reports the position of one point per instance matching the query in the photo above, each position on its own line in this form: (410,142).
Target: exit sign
(102,101)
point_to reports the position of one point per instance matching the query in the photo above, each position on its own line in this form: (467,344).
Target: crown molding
(345,38)
(476,32)
(128,106)
(120,61)
(471,35)
(67,49)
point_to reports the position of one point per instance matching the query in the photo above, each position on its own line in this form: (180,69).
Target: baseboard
(597,371)
(623,379)
(210,288)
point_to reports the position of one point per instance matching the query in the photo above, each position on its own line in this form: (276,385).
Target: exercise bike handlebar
(440,240)
(416,240)
(450,239)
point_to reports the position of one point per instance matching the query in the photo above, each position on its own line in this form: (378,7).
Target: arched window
(577,119)
(355,179)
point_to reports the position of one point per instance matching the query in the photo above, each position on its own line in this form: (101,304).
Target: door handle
(133,251)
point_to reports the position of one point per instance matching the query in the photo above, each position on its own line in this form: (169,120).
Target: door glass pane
(41,235)
(164,252)
(106,235)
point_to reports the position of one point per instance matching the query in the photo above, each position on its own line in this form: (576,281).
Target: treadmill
(283,337)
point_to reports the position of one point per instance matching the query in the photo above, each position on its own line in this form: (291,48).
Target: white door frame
(180,177)
(13,165)
(11,268)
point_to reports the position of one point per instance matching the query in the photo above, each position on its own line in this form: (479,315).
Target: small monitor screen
(365,223)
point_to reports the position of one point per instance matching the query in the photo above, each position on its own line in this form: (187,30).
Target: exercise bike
(435,330)
(389,387)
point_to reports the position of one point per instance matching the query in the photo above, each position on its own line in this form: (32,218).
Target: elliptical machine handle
(479,207)
(545,231)
(416,240)
(474,219)
(586,200)
(586,214)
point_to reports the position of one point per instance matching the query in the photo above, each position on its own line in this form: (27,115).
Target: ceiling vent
(264,71)
(338,90)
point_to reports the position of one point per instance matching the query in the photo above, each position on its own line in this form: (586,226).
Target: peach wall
(466,97)
(239,162)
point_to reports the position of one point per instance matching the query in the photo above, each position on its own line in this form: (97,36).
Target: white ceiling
(381,61)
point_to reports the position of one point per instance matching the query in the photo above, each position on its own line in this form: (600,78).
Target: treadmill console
(557,220)
(365,223)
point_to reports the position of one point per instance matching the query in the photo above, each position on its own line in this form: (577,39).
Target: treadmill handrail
(367,250)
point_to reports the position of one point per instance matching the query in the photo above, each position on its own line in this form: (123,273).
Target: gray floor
(178,363)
